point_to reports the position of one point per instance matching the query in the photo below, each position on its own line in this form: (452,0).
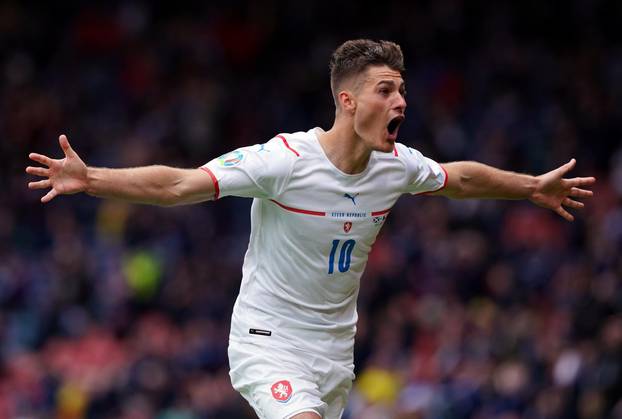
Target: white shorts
(279,383)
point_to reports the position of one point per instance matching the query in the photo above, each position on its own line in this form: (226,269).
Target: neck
(344,148)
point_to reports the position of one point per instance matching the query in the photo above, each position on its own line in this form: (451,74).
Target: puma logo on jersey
(352,197)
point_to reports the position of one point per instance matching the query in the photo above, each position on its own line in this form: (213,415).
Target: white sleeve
(258,171)
(422,174)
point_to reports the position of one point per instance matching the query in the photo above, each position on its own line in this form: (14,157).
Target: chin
(386,147)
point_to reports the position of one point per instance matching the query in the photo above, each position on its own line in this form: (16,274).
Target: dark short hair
(354,56)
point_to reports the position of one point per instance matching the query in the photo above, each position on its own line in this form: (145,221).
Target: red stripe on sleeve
(216,187)
(436,190)
(287,145)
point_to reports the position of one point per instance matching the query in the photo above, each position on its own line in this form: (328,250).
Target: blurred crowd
(468,309)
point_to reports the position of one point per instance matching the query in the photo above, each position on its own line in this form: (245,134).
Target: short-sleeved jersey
(312,228)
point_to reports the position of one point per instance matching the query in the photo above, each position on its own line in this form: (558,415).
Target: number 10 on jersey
(345,256)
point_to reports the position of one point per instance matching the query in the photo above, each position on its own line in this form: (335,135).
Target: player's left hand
(554,192)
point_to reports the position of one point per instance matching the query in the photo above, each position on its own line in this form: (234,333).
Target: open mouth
(394,124)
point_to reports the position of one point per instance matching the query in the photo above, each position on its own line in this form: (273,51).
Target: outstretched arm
(549,190)
(158,185)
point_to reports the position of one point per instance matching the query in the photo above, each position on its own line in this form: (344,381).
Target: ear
(347,101)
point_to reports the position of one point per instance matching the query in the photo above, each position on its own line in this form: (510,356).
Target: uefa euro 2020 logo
(231,159)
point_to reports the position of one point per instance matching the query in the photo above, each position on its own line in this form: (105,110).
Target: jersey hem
(313,409)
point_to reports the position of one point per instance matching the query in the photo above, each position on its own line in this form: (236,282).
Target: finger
(580,193)
(49,196)
(581,181)
(45,183)
(40,158)
(573,204)
(38,171)
(64,144)
(565,214)
(568,166)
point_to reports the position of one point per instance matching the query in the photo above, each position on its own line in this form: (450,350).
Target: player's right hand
(65,176)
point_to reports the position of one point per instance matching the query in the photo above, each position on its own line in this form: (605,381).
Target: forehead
(377,74)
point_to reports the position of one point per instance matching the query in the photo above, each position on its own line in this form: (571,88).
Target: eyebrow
(402,86)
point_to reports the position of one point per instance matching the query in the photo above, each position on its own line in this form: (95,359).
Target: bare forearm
(475,180)
(157,185)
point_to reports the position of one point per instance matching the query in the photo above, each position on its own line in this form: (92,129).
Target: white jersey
(312,228)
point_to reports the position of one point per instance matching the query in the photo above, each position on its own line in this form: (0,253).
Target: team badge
(282,391)
(347,226)
(231,159)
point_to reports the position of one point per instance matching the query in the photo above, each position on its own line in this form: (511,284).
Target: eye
(384,91)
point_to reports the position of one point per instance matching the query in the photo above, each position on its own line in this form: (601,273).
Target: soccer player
(320,198)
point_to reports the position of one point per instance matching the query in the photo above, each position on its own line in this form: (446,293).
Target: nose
(400,103)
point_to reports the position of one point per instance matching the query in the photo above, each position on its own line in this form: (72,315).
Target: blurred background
(468,309)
